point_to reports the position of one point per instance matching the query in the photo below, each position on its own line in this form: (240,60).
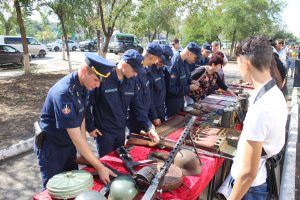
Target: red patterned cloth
(192,185)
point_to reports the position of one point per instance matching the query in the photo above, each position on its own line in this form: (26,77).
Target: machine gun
(159,176)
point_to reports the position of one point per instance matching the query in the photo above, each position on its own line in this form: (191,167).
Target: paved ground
(51,63)
(19,176)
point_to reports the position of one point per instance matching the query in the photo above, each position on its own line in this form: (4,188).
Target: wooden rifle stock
(164,143)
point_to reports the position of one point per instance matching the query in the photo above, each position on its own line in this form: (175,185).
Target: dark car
(121,42)
(9,54)
(123,46)
(90,45)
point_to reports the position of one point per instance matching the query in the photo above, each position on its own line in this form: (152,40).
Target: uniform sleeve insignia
(173,76)
(66,109)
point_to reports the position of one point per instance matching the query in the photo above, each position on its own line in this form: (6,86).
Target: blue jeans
(259,192)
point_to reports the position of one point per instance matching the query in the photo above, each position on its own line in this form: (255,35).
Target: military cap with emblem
(134,59)
(154,49)
(101,66)
(207,47)
(194,48)
(167,55)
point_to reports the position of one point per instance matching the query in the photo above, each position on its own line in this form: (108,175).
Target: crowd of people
(288,54)
(142,91)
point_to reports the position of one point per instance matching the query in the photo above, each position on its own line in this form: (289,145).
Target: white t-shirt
(282,55)
(265,121)
(177,50)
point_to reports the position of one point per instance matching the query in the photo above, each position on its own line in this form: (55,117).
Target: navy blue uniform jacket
(178,84)
(109,105)
(156,77)
(139,109)
(64,108)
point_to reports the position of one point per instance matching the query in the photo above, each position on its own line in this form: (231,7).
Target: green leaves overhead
(154,16)
(232,20)
(197,20)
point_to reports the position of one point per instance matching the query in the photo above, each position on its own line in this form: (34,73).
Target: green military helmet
(123,188)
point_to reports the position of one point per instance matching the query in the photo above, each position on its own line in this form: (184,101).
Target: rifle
(127,160)
(165,143)
(159,176)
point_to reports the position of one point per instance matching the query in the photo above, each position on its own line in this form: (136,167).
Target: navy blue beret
(194,48)
(154,49)
(101,66)
(207,47)
(134,59)
(167,55)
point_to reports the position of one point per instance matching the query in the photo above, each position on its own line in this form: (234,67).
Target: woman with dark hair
(208,79)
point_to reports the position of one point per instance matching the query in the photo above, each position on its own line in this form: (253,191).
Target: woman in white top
(264,125)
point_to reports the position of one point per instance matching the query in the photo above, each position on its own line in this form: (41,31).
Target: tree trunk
(66,41)
(23,36)
(63,48)
(149,34)
(232,42)
(7,29)
(154,35)
(104,48)
(99,42)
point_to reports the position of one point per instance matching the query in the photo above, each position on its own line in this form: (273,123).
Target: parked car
(121,42)
(9,54)
(90,45)
(34,47)
(161,42)
(57,45)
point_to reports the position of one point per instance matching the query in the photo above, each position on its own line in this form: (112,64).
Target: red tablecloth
(192,185)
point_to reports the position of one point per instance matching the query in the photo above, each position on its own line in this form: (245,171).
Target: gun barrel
(123,154)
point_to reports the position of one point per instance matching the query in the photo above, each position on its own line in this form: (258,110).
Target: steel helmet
(185,159)
(188,162)
(123,188)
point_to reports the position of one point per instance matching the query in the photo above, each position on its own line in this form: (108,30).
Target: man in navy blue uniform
(110,103)
(139,109)
(156,75)
(178,79)
(205,51)
(62,121)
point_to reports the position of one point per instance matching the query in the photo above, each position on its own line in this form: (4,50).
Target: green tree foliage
(8,19)
(282,33)
(64,9)
(43,31)
(155,16)
(86,17)
(231,20)
(110,11)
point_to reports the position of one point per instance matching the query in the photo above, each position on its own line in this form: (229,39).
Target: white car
(161,42)
(57,45)
(35,48)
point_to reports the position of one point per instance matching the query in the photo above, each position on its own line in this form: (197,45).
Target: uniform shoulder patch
(66,108)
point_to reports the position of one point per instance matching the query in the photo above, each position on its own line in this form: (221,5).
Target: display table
(192,185)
